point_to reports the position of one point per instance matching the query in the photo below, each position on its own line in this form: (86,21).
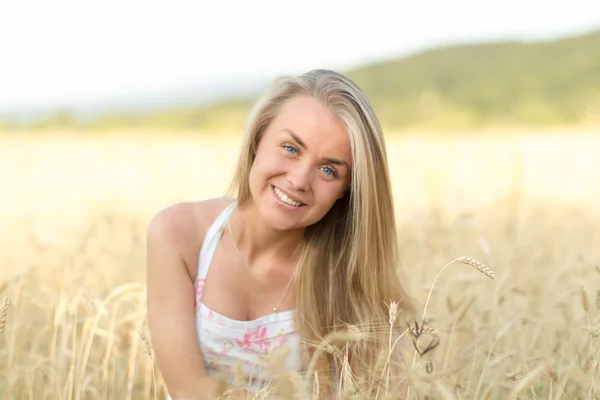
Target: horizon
(198,94)
(134,80)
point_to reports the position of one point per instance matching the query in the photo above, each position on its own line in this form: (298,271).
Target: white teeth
(285,199)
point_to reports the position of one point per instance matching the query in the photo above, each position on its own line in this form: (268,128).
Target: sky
(68,52)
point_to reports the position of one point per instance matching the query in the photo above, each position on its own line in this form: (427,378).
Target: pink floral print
(255,340)
(199,288)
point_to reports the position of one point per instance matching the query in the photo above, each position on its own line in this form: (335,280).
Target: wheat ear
(3,313)
(148,350)
(463,260)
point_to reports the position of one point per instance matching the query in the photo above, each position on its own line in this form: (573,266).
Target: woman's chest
(234,290)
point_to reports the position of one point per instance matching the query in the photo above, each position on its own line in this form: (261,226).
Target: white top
(225,342)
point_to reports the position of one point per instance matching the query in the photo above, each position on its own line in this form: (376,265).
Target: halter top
(226,342)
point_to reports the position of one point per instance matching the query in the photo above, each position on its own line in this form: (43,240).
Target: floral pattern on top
(199,290)
(255,340)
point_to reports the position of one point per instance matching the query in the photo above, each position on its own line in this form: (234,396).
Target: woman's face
(302,165)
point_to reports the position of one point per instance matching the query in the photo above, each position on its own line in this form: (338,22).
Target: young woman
(305,247)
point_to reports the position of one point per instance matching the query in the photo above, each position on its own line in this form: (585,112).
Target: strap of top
(212,240)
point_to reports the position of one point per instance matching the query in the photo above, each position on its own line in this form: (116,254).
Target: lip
(289,195)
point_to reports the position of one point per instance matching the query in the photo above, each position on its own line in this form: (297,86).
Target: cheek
(277,163)
(267,165)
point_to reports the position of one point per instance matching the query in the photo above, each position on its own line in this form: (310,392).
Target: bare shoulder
(182,227)
(182,219)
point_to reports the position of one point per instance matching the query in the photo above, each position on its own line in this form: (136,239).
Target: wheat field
(74,210)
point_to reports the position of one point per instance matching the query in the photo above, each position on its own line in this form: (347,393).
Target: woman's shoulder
(185,224)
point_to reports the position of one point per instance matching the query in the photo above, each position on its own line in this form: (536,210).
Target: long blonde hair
(348,268)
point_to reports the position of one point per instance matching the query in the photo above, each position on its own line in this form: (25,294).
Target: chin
(279,215)
(279,220)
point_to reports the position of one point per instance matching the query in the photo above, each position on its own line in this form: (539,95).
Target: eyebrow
(334,161)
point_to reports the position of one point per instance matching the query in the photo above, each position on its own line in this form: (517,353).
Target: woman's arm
(171,312)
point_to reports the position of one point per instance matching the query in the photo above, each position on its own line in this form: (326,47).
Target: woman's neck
(261,241)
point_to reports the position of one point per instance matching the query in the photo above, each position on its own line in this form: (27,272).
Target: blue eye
(290,149)
(330,172)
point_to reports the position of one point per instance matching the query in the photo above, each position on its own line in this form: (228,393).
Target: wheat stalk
(148,351)
(463,260)
(529,380)
(389,356)
(585,303)
(238,375)
(393,316)
(326,346)
(3,313)
(263,393)
(147,346)
(277,358)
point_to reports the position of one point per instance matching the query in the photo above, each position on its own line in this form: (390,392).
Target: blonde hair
(348,267)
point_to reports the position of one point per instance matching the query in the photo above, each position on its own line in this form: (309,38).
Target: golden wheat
(112,339)
(3,313)
(424,329)
(74,271)
(585,303)
(147,346)
(477,265)
(528,380)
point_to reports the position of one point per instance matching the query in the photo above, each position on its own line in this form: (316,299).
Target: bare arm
(171,308)
(171,314)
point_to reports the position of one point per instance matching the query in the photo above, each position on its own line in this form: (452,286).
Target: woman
(306,248)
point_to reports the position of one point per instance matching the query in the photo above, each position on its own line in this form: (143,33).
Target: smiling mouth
(283,197)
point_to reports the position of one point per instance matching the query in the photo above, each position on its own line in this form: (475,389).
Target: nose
(300,177)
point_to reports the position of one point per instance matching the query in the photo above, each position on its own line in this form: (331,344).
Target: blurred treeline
(509,84)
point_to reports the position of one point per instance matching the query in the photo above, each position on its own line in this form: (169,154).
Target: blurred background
(137,103)
(111,111)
